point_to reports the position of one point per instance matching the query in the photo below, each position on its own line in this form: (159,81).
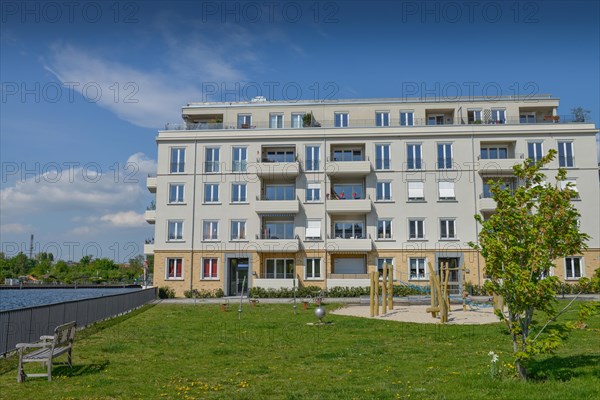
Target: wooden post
(383,290)
(376,280)
(372,296)
(391,287)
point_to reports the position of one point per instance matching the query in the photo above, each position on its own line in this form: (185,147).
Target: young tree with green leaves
(533,226)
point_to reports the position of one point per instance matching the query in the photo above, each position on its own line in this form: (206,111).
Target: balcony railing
(371,123)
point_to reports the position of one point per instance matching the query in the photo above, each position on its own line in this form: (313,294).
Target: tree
(579,114)
(531,228)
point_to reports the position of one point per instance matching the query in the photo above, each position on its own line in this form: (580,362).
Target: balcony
(151,183)
(342,245)
(276,170)
(277,206)
(272,244)
(348,168)
(149,248)
(486,204)
(347,280)
(498,166)
(359,206)
(150,216)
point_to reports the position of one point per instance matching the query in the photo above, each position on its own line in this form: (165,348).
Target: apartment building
(276,193)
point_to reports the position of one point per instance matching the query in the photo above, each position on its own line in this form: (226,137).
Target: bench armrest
(32,345)
(46,337)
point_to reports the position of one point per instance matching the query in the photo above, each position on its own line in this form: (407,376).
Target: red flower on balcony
(354,194)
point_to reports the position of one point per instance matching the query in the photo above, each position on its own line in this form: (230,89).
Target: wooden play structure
(387,290)
(440,294)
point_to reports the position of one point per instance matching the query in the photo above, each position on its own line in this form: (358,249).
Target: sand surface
(416,313)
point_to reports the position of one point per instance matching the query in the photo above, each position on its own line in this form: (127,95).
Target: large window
(211,192)
(382,157)
(280,192)
(571,183)
(211,163)
(407,118)
(416,191)
(210,269)
(313,268)
(535,151)
(210,230)
(474,116)
(381,262)
(384,191)
(244,121)
(175,230)
(565,154)
(446,190)
(444,155)
(313,158)
(297,120)
(417,268)
(573,267)
(349,230)
(498,115)
(279,268)
(278,230)
(313,191)
(382,118)
(240,159)
(494,153)
(384,229)
(347,155)
(238,230)
(238,193)
(341,119)
(279,155)
(414,156)
(275,120)
(177,160)
(174,269)
(527,118)
(416,229)
(176,193)
(313,229)
(447,229)
(348,191)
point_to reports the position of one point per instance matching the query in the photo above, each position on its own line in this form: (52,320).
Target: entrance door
(238,276)
(452,263)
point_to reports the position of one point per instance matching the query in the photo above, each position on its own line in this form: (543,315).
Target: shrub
(203,293)
(166,292)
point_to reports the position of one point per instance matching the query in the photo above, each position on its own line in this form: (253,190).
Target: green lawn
(187,351)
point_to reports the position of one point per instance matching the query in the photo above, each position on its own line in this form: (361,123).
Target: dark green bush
(204,293)
(165,292)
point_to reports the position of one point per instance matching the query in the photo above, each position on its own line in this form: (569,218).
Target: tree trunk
(521,370)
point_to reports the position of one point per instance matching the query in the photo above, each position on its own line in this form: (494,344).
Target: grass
(199,352)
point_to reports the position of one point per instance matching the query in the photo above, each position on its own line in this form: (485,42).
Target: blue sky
(86,86)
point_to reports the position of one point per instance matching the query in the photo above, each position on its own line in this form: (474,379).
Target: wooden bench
(48,348)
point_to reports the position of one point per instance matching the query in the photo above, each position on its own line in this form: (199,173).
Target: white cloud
(125,219)
(15,228)
(82,230)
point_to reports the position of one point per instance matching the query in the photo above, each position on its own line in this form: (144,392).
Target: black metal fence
(26,325)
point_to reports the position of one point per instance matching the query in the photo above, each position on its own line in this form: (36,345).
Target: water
(12,299)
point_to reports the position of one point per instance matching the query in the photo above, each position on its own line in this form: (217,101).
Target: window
(384,229)
(210,230)
(279,155)
(498,115)
(211,163)
(238,193)
(280,192)
(341,119)
(313,158)
(571,183)
(313,229)
(278,268)
(176,193)
(278,230)
(382,118)
(444,151)
(238,230)
(175,230)
(416,190)
(446,190)
(527,118)
(417,269)
(382,157)
(435,119)
(381,262)
(313,268)
(174,268)
(177,160)
(275,120)
(413,156)
(297,120)
(474,116)
(447,229)
(240,159)
(573,267)
(416,229)
(494,153)
(534,151)
(384,191)
(348,191)
(506,184)
(211,192)
(347,155)
(313,191)
(565,154)
(244,121)
(407,118)
(209,268)
(348,230)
